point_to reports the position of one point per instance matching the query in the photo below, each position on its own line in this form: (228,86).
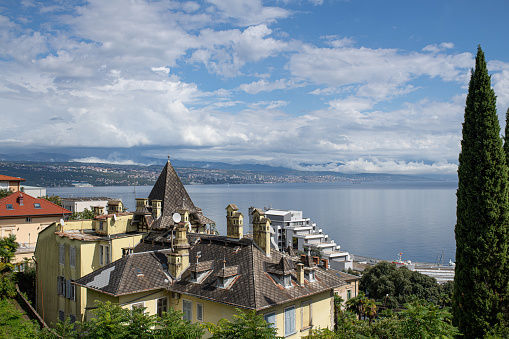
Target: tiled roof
(131,274)
(8,178)
(171,191)
(173,195)
(252,288)
(29,206)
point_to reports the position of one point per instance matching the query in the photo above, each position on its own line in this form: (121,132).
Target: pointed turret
(170,190)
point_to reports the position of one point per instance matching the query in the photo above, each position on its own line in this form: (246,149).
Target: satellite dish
(62,222)
(115,217)
(176,217)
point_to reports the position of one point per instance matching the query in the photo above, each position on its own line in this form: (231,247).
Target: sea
(374,219)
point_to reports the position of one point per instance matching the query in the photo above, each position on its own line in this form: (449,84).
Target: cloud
(346,66)
(249,12)
(438,48)
(95,160)
(266,86)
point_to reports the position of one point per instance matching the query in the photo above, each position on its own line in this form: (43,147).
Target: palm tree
(370,309)
(356,304)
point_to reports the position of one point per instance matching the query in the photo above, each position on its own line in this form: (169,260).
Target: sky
(349,86)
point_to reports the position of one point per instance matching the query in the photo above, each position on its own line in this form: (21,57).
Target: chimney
(300,273)
(98,210)
(316,261)
(141,204)
(234,222)
(156,208)
(261,231)
(178,260)
(325,263)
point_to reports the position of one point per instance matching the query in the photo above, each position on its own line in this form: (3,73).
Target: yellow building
(208,276)
(67,252)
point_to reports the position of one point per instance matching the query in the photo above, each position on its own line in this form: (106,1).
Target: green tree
(8,247)
(357,303)
(244,325)
(171,325)
(86,214)
(506,136)
(5,193)
(423,320)
(481,276)
(392,285)
(113,321)
(54,199)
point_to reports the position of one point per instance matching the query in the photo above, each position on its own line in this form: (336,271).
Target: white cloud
(344,66)
(438,48)
(249,12)
(267,86)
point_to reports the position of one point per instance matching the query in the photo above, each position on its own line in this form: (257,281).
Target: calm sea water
(376,220)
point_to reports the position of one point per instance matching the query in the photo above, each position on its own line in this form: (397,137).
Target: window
(60,285)
(101,225)
(270,318)
(72,256)
(72,290)
(61,315)
(104,255)
(287,280)
(28,219)
(199,311)
(348,294)
(162,306)
(36,205)
(289,320)
(307,319)
(187,308)
(73,318)
(61,254)
(9,206)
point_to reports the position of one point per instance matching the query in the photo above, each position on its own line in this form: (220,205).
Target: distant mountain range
(48,157)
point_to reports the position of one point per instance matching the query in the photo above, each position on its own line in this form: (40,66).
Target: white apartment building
(291,229)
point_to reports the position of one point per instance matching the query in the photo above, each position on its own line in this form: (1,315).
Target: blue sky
(350,86)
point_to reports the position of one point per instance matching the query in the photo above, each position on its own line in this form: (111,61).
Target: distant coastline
(72,174)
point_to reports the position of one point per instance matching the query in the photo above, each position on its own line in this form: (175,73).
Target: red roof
(22,204)
(8,178)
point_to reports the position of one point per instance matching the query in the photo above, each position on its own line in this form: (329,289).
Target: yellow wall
(87,261)
(21,228)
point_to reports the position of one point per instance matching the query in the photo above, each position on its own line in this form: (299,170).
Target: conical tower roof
(170,190)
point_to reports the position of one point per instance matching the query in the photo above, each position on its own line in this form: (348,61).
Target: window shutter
(72,255)
(58,286)
(101,255)
(61,254)
(68,289)
(289,320)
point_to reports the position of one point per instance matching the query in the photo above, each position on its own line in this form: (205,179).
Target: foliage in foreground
(244,325)
(419,320)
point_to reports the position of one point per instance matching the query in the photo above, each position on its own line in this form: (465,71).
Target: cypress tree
(481,277)
(506,136)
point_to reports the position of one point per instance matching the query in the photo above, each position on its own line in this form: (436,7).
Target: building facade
(25,216)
